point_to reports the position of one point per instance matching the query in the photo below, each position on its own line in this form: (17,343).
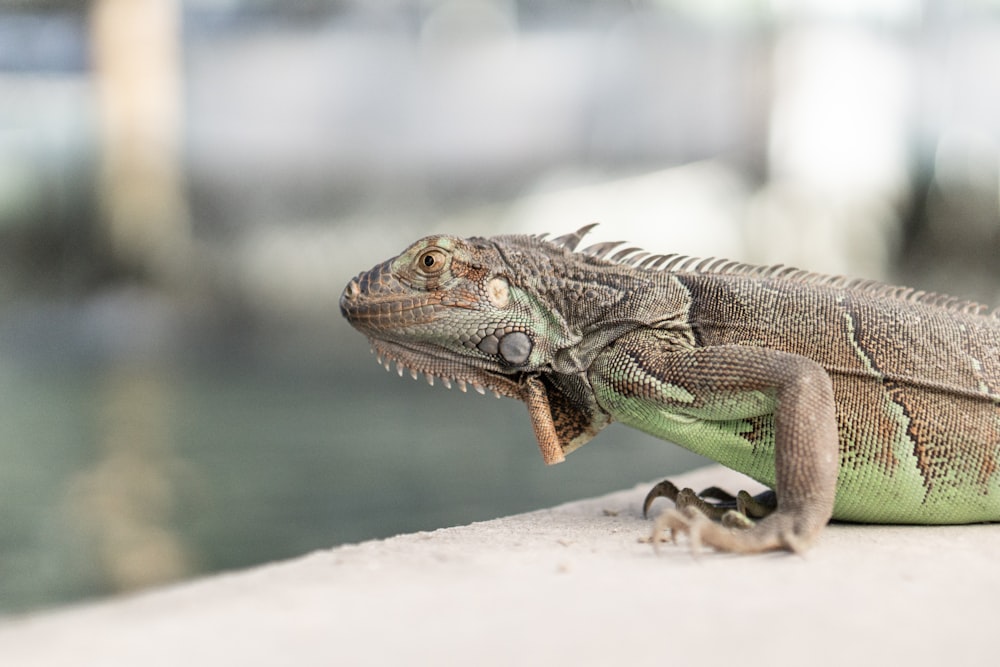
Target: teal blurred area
(128,467)
(186,186)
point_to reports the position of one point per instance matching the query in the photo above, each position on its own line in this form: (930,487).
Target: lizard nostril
(351,292)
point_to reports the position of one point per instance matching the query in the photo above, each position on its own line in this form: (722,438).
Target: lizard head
(445,307)
(452,309)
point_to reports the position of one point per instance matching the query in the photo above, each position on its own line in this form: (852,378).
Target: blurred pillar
(128,497)
(137,65)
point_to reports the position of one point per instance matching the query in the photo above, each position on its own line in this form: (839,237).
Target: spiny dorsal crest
(674,263)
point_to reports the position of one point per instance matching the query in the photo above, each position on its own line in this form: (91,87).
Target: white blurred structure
(858,132)
(841,124)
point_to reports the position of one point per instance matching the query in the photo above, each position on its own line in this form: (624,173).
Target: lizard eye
(432,261)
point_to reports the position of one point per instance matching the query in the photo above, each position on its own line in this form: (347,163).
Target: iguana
(851,399)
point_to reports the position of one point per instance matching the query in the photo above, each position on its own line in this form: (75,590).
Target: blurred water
(128,470)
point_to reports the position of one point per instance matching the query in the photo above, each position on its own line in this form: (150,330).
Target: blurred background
(187,185)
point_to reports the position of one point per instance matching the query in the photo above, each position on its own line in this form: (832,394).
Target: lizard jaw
(386,354)
(524,387)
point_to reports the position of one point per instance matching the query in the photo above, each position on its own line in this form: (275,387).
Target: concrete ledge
(567,585)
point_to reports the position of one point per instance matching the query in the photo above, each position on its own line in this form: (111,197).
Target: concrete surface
(568,585)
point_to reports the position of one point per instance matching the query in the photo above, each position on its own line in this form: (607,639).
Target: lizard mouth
(387,353)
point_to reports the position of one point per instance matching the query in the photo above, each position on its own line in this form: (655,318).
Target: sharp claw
(664,489)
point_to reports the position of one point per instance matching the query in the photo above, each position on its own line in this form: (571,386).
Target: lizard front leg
(766,413)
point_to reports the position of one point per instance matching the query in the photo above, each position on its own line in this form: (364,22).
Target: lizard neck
(592,302)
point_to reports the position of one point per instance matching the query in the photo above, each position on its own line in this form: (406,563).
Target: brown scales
(930,426)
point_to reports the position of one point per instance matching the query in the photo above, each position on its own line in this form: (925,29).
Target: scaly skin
(851,399)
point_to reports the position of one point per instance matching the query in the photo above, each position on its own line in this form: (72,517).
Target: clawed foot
(729,509)
(719,520)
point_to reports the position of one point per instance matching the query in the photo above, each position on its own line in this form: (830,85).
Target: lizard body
(851,399)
